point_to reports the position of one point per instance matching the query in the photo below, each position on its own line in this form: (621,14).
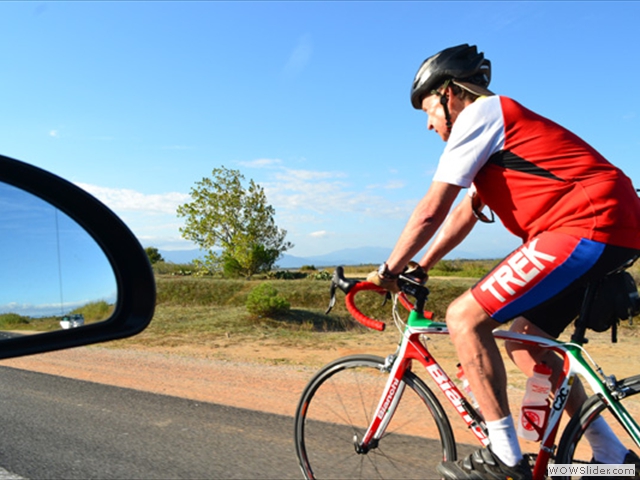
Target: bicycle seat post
(581,323)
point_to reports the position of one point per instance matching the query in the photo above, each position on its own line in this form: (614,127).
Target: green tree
(154,255)
(224,215)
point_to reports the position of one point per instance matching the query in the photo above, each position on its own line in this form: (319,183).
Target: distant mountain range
(346,256)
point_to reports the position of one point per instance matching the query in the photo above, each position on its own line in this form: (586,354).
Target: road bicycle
(364,416)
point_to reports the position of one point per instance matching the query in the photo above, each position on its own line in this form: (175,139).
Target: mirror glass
(54,275)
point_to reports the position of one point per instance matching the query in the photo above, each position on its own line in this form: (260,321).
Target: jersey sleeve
(476,135)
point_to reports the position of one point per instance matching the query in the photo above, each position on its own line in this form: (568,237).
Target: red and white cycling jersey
(537,176)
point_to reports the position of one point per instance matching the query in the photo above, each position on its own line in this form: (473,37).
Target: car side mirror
(72,272)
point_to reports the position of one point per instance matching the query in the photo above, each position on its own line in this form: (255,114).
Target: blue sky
(137,101)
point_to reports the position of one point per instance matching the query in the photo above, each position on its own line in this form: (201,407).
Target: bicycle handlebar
(357,314)
(351,287)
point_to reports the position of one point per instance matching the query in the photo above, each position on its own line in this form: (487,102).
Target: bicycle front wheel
(575,449)
(337,407)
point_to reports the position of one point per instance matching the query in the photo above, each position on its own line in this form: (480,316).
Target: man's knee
(465,315)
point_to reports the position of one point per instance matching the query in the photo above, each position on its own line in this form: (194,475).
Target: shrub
(13,320)
(168,268)
(322,275)
(264,301)
(286,275)
(95,311)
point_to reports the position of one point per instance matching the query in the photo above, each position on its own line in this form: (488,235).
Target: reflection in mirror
(54,275)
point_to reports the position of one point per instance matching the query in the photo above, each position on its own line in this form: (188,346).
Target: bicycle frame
(411,348)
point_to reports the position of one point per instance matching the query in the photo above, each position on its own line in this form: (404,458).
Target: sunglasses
(476,206)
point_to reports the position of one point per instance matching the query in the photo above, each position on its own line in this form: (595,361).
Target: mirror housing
(133,274)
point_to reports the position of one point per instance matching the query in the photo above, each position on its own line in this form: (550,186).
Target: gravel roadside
(269,388)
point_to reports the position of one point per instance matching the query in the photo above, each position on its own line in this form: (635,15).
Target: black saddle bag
(616,299)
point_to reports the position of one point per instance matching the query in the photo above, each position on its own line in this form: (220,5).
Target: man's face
(436,120)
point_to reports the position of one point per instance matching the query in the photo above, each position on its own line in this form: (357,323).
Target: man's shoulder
(485,104)
(484,110)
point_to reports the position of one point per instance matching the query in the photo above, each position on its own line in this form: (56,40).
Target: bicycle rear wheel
(340,401)
(574,447)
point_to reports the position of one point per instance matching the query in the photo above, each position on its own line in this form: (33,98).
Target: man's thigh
(544,279)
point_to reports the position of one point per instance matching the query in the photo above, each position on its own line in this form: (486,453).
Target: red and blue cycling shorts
(544,279)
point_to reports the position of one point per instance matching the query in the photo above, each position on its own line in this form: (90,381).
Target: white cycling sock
(605,445)
(504,440)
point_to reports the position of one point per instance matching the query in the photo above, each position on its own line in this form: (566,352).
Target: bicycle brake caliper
(618,391)
(388,363)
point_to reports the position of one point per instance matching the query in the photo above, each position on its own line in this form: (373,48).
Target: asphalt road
(53,428)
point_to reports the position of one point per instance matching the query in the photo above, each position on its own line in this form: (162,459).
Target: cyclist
(578,217)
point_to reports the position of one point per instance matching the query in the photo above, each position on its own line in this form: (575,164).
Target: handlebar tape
(357,314)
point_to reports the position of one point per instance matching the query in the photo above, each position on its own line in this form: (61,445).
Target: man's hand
(389,282)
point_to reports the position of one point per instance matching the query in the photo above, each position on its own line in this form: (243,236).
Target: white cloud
(151,217)
(291,175)
(394,185)
(326,193)
(126,200)
(166,242)
(318,234)
(54,133)
(299,58)
(390,185)
(261,163)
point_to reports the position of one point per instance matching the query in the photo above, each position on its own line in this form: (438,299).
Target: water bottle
(465,386)
(535,404)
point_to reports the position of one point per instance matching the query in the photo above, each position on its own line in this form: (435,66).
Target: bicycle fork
(389,400)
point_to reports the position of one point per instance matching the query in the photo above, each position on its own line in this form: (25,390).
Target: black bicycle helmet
(462,63)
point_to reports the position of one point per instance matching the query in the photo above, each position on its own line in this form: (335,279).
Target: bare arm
(454,230)
(424,222)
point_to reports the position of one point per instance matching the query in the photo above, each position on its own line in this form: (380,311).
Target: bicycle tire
(339,402)
(574,449)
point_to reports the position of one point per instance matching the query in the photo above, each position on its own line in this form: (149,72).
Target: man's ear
(451,96)
(451,92)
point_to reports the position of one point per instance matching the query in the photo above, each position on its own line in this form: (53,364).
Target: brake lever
(332,299)
(387,297)
(339,281)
